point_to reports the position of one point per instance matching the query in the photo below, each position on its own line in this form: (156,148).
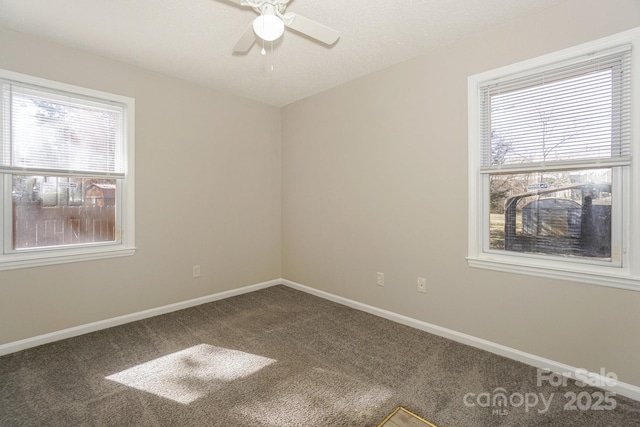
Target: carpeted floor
(280,357)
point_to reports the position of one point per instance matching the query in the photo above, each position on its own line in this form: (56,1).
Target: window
(550,165)
(66,164)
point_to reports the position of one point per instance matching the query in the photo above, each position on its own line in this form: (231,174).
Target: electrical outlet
(380,279)
(422,285)
(196,271)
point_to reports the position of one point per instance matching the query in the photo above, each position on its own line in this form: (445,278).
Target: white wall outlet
(380,279)
(196,271)
(422,285)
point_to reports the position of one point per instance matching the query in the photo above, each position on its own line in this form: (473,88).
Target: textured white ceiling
(193,39)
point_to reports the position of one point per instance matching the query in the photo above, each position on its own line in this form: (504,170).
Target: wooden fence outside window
(35,225)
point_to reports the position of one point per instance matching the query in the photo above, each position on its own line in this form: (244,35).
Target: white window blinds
(51,133)
(568,115)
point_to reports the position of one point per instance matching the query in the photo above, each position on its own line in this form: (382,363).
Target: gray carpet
(275,357)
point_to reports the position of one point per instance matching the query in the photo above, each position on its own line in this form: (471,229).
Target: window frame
(124,244)
(626,275)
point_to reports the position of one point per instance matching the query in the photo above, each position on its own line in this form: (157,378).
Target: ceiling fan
(269,26)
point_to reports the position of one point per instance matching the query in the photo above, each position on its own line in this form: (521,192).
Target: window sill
(619,279)
(53,257)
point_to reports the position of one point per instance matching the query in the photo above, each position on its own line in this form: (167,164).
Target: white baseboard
(12,347)
(621,388)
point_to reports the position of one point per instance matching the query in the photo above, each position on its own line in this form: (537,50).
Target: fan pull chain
(263,52)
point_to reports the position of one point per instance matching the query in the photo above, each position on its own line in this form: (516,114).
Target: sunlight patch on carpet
(189,374)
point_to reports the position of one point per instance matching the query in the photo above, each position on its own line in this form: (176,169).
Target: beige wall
(375,179)
(208,193)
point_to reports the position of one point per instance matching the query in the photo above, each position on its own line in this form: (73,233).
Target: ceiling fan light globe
(268,27)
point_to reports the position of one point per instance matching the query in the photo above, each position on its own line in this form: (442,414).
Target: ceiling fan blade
(246,41)
(311,28)
(238,2)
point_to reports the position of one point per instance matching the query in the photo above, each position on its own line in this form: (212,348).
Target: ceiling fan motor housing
(271,23)
(268,26)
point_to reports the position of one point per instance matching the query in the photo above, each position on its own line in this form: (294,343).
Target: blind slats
(51,133)
(576,114)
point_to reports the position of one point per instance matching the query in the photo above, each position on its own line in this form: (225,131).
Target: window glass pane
(562,213)
(54,211)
